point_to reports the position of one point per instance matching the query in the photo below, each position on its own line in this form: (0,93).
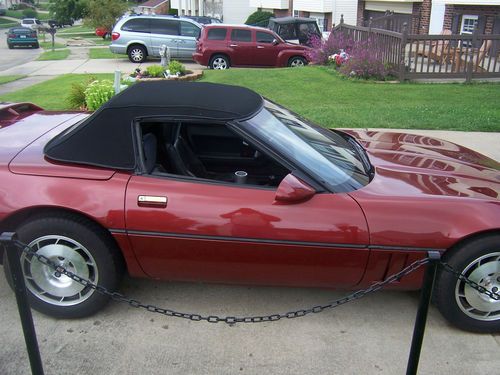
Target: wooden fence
(431,56)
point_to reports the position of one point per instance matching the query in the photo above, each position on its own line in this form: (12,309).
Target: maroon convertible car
(213,183)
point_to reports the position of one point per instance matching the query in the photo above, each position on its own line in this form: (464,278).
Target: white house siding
(316,6)
(236,11)
(396,7)
(269,4)
(437,16)
(348,8)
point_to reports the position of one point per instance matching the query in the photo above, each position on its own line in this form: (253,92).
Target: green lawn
(75,29)
(322,96)
(103,53)
(19,14)
(48,45)
(7,24)
(7,79)
(51,94)
(59,54)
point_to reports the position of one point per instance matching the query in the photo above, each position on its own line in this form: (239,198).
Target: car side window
(188,29)
(206,151)
(139,25)
(287,31)
(217,34)
(263,37)
(165,27)
(240,35)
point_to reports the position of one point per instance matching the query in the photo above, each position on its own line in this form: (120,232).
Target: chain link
(251,319)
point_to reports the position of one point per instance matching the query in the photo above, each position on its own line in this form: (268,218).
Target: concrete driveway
(369,336)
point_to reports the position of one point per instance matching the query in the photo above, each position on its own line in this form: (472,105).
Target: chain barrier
(252,319)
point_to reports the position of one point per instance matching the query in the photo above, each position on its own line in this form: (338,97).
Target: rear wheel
(36,45)
(463,306)
(219,62)
(77,245)
(10,46)
(297,61)
(137,54)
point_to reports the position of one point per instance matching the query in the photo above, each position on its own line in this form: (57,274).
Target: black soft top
(285,20)
(106,138)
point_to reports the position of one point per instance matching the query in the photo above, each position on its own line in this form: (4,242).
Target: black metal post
(423,308)
(7,239)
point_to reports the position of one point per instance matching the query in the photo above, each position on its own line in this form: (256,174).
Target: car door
(266,52)
(242,47)
(189,32)
(194,229)
(165,32)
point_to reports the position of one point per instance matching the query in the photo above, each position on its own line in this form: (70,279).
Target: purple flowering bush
(364,57)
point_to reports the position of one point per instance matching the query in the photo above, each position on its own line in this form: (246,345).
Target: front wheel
(137,54)
(297,62)
(80,247)
(219,62)
(462,305)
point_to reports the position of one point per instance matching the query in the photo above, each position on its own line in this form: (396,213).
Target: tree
(103,13)
(259,18)
(64,11)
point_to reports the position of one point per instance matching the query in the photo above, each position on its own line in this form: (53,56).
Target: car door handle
(261,47)
(233,45)
(152,201)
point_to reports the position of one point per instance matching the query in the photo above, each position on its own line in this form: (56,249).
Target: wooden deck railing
(431,56)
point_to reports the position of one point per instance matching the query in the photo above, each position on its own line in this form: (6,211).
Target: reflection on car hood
(409,165)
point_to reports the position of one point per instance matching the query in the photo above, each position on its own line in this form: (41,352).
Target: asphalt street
(10,58)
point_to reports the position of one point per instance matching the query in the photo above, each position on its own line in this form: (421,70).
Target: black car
(60,23)
(295,29)
(22,36)
(204,20)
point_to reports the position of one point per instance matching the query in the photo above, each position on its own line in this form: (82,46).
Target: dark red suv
(222,46)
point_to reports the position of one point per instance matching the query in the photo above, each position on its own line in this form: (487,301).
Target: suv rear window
(139,25)
(217,34)
(240,35)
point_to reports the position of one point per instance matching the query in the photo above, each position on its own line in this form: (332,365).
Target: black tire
(36,45)
(137,54)
(479,260)
(219,62)
(80,246)
(10,46)
(297,61)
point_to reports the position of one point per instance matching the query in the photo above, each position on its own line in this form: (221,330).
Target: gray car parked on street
(142,36)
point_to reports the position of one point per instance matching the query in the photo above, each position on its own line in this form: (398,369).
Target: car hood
(415,165)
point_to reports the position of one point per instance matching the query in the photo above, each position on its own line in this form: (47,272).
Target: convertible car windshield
(325,154)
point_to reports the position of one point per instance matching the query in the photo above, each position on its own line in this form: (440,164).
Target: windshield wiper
(363,156)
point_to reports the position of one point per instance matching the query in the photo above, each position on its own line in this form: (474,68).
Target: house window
(468,23)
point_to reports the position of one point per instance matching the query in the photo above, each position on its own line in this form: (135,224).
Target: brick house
(154,7)
(433,16)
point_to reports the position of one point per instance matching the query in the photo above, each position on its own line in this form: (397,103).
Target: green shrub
(29,13)
(173,12)
(76,96)
(97,93)
(176,67)
(259,18)
(155,70)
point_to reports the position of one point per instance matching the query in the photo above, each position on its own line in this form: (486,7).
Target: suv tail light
(33,35)
(115,36)
(11,36)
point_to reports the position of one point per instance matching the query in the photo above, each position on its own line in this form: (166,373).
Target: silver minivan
(142,36)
